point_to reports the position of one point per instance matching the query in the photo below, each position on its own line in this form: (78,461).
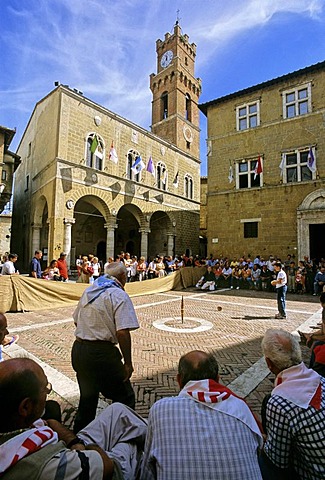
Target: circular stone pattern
(174,324)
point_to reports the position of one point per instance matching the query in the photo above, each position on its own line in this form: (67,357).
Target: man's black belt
(80,340)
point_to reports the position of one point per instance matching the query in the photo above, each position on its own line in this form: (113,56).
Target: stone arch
(313,201)
(161,236)
(311,225)
(128,235)
(41,203)
(91,224)
(99,199)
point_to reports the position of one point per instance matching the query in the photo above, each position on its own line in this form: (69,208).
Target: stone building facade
(9,162)
(91,181)
(266,168)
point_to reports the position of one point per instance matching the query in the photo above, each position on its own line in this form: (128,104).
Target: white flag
(311,161)
(112,154)
(282,165)
(231,174)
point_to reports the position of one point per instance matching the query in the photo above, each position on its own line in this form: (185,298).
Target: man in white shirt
(104,317)
(281,289)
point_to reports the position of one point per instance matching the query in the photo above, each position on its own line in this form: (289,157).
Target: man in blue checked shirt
(206,432)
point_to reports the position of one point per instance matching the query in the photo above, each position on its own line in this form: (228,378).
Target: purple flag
(151,167)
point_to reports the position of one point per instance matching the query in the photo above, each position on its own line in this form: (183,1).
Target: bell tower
(175,90)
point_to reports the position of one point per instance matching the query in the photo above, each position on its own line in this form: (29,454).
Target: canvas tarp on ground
(19,293)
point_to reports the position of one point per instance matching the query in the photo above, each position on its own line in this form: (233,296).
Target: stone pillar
(110,229)
(68,222)
(170,244)
(36,238)
(144,242)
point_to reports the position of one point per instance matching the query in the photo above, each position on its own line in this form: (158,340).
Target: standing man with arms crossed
(281,289)
(104,317)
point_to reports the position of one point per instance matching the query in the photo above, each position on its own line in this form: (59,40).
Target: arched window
(164,105)
(95,151)
(188,186)
(161,176)
(188,108)
(131,158)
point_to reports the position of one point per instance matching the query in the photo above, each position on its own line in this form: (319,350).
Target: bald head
(3,327)
(21,382)
(197,365)
(117,270)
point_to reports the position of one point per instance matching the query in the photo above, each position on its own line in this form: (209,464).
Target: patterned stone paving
(235,337)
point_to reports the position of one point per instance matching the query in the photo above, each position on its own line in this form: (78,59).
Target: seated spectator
(295,413)
(160,267)
(142,269)
(206,432)
(52,272)
(247,277)
(234,263)
(300,280)
(262,262)
(218,273)
(108,447)
(319,281)
(265,277)
(249,263)
(152,270)
(207,281)
(8,268)
(211,261)
(226,275)
(236,278)
(170,265)
(256,277)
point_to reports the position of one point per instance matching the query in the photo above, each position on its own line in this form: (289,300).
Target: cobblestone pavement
(237,322)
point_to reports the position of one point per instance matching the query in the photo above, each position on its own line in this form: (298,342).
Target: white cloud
(107,48)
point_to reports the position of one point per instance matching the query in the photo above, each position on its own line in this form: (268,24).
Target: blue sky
(106,49)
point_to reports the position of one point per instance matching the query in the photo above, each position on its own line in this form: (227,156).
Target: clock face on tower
(166,58)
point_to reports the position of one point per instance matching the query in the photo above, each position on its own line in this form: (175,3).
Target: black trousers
(99,369)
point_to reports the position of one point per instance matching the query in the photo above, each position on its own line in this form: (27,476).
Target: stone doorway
(310,225)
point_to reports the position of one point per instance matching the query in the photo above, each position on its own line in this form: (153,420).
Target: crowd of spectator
(304,276)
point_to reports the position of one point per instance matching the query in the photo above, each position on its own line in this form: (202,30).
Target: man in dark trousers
(104,317)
